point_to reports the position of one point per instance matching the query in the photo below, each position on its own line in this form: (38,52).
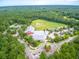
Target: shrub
(47,48)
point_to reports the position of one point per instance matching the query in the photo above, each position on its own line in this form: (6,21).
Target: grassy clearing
(41,24)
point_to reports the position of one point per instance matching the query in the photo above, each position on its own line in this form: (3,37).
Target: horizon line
(40,5)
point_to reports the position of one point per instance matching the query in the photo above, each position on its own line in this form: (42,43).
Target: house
(30,30)
(29,33)
(51,35)
(16,26)
(71,29)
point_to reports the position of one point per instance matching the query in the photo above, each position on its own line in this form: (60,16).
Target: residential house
(30,30)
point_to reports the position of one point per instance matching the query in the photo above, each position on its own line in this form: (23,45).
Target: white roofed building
(40,35)
(51,35)
(36,35)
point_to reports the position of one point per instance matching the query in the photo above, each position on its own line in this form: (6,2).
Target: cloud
(37,2)
(43,2)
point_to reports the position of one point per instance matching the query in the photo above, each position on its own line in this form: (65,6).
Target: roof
(30,29)
(29,33)
(51,35)
(40,35)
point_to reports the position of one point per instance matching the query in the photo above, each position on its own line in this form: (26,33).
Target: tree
(43,56)
(47,48)
(10,48)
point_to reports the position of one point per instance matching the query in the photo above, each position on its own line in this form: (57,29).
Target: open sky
(38,2)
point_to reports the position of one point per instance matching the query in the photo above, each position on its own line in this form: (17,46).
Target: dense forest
(10,48)
(24,15)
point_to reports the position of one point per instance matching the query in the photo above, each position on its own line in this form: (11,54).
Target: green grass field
(41,24)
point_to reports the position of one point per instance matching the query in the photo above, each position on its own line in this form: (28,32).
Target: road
(57,46)
(34,54)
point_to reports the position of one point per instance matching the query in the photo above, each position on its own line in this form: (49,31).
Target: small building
(51,35)
(16,26)
(29,30)
(71,29)
(29,33)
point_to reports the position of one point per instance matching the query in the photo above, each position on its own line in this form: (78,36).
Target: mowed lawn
(41,24)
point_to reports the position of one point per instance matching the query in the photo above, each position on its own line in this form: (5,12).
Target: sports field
(41,24)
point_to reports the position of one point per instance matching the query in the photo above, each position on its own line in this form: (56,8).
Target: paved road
(34,54)
(65,41)
(57,46)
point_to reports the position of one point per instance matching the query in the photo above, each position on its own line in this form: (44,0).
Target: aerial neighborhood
(38,29)
(43,40)
(38,38)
